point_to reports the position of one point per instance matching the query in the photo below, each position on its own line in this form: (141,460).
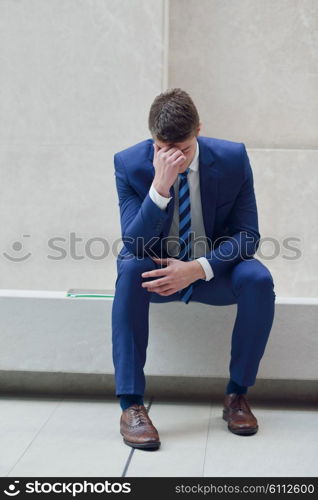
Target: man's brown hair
(173,116)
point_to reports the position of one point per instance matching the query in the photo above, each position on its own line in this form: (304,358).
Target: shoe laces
(242,404)
(140,416)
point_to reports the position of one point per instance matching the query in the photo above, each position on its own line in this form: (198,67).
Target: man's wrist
(161,190)
(199,272)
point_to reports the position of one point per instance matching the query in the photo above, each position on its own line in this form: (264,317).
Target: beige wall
(251,66)
(77,81)
(252,69)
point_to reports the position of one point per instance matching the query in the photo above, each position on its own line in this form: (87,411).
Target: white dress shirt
(199,247)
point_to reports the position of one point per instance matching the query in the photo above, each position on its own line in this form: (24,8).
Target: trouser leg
(249,284)
(253,284)
(130,324)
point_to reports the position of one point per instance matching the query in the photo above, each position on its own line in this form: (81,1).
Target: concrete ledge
(63,344)
(300,392)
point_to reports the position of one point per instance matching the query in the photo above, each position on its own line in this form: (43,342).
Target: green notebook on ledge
(78,292)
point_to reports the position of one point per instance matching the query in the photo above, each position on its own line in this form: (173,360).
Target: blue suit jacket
(227,196)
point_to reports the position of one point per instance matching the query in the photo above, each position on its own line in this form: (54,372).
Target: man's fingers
(167,290)
(180,159)
(155,283)
(170,152)
(163,271)
(165,149)
(176,154)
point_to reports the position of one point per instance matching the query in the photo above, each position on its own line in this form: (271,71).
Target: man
(190,229)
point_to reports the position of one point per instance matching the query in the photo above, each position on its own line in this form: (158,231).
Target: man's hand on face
(166,161)
(177,275)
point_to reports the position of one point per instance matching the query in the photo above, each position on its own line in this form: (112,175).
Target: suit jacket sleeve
(242,226)
(141,220)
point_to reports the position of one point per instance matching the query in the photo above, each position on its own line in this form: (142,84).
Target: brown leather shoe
(137,429)
(238,414)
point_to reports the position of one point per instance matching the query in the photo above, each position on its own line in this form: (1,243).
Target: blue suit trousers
(249,284)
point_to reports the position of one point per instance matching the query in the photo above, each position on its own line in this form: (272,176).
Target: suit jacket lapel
(208,186)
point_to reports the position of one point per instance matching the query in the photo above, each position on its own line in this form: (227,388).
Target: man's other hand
(177,274)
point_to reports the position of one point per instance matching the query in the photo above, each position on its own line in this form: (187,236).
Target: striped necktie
(184,228)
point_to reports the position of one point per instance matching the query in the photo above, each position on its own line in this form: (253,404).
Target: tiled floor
(80,437)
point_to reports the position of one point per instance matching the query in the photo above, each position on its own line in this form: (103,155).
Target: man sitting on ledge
(190,231)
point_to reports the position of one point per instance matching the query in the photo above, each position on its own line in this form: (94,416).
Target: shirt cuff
(207,268)
(157,198)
